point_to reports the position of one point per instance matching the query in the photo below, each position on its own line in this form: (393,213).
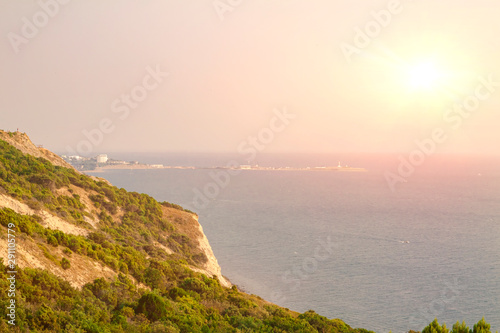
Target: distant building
(116,162)
(245,167)
(103,158)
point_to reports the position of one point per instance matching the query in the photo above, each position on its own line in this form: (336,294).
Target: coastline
(255,168)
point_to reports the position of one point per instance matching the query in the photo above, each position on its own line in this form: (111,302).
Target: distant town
(102,162)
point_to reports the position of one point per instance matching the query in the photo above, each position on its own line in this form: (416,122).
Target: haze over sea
(344,244)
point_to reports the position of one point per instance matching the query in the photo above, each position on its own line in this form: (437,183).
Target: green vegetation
(36,181)
(177,299)
(173,298)
(65,263)
(194,303)
(481,327)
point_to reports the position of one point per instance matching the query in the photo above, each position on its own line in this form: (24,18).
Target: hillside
(86,204)
(22,142)
(95,258)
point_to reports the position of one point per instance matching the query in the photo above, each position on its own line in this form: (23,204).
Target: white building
(103,158)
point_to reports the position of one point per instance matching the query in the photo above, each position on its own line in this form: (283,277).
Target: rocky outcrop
(22,142)
(187,223)
(211,267)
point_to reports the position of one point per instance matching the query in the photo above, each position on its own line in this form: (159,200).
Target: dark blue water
(343,243)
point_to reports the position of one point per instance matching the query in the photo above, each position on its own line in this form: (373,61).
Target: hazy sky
(361,76)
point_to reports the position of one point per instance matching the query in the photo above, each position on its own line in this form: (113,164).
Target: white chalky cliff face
(211,267)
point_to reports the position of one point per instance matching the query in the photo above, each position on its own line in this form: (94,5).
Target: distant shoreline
(247,168)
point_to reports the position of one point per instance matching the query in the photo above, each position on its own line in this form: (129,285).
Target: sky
(83,77)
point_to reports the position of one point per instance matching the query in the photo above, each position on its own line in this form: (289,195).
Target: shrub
(34,204)
(52,241)
(65,263)
(152,306)
(46,319)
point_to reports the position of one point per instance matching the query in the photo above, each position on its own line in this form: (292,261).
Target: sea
(388,249)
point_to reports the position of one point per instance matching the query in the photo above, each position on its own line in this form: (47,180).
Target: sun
(428,74)
(425,75)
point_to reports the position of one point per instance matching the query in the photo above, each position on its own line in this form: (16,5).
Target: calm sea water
(343,243)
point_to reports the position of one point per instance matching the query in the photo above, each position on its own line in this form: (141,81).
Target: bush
(46,319)
(34,204)
(52,241)
(152,306)
(65,263)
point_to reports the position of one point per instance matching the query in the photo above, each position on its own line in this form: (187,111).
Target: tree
(481,327)
(460,328)
(434,327)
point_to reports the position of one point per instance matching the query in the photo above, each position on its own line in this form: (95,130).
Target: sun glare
(425,76)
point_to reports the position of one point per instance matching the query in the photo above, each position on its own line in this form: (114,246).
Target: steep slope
(187,224)
(186,221)
(22,142)
(89,257)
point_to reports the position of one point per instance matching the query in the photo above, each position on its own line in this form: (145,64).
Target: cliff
(86,256)
(185,222)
